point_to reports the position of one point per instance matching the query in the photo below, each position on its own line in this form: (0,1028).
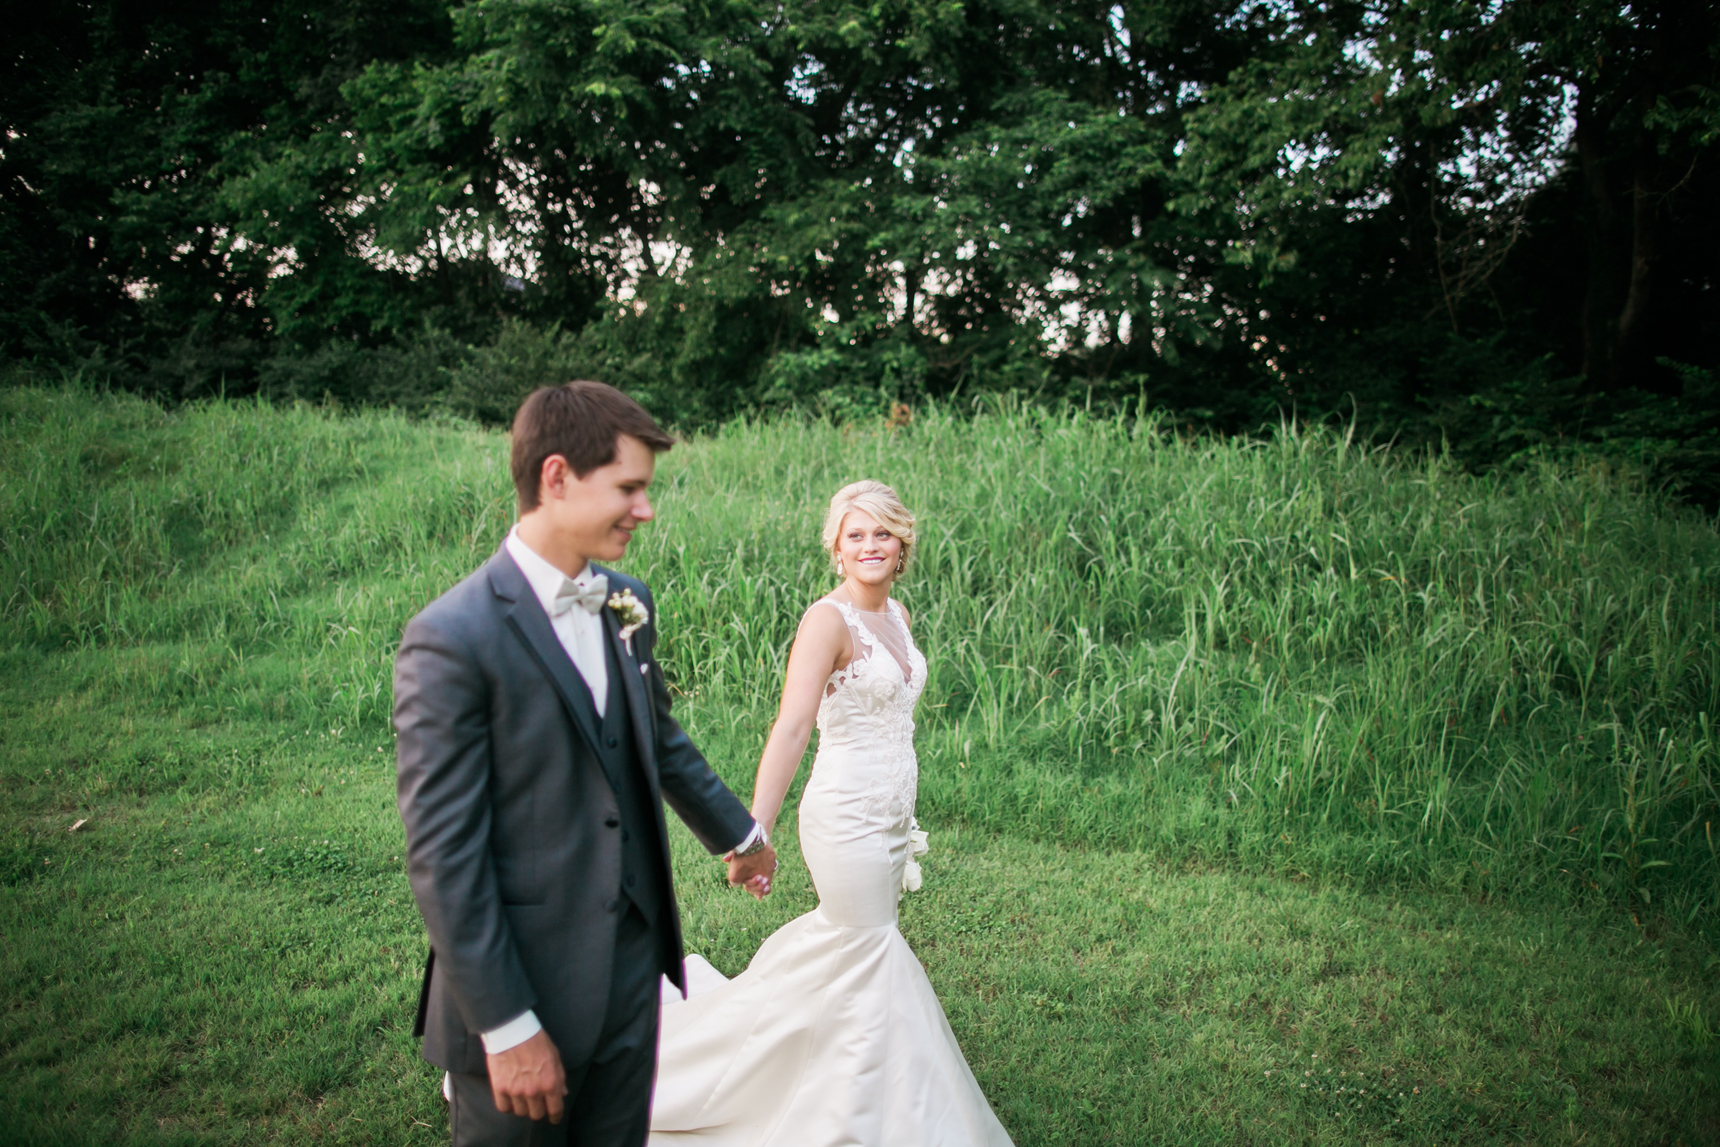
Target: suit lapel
(632,687)
(528,620)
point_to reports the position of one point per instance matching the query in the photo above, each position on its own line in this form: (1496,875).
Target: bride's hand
(754,872)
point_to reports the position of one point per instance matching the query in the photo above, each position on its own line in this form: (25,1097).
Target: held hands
(528,1080)
(753,872)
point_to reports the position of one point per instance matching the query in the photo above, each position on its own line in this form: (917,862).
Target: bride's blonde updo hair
(881,503)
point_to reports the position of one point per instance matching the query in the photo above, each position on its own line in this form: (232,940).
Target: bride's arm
(820,648)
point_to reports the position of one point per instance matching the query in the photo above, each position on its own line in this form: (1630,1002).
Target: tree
(1454,131)
(130,176)
(1422,210)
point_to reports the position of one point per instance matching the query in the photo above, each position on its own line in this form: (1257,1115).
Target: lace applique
(870,703)
(856,664)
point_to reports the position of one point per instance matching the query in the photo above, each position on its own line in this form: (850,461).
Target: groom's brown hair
(582,421)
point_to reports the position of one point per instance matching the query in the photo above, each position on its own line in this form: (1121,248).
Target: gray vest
(642,875)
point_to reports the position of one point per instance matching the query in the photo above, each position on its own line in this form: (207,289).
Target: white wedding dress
(833,1036)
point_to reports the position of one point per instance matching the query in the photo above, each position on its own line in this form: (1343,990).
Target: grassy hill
(1235,754)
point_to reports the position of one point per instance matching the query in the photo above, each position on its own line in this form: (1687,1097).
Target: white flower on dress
(917,846)
(631,613)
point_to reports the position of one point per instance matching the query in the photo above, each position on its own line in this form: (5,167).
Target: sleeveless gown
(832,1037)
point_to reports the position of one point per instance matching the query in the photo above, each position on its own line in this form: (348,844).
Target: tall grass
(1290,652)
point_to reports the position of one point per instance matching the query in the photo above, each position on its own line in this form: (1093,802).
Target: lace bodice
(866,718)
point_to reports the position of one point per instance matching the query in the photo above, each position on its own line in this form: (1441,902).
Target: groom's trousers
(608,1097)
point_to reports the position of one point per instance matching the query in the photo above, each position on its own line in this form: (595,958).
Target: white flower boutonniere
(631,613)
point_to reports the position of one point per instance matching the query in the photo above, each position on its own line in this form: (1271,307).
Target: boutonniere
(631,613)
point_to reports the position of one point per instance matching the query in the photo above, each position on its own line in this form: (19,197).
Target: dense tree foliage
(1478,218)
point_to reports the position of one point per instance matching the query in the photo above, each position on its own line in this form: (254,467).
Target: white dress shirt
(581,634)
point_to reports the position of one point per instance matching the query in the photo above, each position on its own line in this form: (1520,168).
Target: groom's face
(596,515)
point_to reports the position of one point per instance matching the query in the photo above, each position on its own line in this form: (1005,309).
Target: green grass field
(1279,791)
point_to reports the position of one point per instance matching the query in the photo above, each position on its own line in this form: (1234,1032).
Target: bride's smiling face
(869,552)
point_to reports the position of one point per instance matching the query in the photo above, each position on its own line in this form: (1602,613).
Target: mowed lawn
(207,969)
(226,949)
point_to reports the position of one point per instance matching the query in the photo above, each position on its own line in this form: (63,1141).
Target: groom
(535,750)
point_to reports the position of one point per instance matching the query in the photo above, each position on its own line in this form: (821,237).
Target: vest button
(613,905)
(611,822)
(613,742)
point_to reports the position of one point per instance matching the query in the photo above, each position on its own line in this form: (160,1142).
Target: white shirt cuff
(511,1034)
(750,838)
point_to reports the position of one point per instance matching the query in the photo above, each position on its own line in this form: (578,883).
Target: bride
(833,1034)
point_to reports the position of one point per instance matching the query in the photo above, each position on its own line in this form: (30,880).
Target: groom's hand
(754,872)
(527,1079)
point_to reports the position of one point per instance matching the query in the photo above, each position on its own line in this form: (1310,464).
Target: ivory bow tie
(589,597)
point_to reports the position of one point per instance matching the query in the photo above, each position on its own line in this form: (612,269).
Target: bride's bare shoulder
(823,616)
(823,630)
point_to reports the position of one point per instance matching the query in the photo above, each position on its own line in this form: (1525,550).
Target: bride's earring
(898,565)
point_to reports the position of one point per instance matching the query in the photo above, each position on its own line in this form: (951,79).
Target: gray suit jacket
(512,837)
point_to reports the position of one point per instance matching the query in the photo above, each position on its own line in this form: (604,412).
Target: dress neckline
(856,619)
(887,611)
